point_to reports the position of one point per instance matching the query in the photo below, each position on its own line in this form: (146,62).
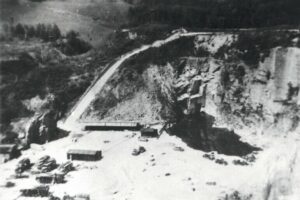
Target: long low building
(112,126)
(85,155)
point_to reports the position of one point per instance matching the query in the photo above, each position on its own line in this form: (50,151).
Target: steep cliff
(243,80)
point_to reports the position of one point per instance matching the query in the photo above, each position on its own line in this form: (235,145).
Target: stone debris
(66,167)
(138,151)
(131,135)
(236,195)
(221,161)
(240,162)
(212,183)
(178,149)
(9,184)
(250,157)
(45,164)
(143,139)
(23,165)
(210,156)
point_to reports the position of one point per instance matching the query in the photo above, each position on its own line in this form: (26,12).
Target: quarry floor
(162,172)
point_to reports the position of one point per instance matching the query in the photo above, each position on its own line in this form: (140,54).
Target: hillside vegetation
(95,20)
(44,69)
(217,13)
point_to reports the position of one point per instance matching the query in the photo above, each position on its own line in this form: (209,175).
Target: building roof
(50,175)
(115,124)
(85,152)
(40,187)
(44,175)
(152,130)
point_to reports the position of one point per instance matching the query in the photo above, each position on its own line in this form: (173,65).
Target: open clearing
(159,173)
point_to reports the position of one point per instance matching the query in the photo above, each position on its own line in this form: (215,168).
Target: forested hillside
(217,13)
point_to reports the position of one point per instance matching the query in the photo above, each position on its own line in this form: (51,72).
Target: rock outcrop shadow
(198,132)
(227,142)
(44,129)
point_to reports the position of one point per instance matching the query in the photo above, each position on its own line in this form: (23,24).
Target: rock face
(263,97)
(212,81)
(200,92)
(278,94)
(196,80)
(43,128)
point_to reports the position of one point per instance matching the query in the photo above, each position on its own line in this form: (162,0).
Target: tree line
(69,43)
(46,32)
(217,13)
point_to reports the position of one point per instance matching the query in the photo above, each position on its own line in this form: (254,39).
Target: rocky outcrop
(266,98)
(198,78)
(43,128)
(243,80)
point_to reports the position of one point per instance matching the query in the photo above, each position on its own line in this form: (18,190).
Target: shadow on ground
(198,132)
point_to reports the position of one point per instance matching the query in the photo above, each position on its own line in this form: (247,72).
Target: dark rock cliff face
(43,128)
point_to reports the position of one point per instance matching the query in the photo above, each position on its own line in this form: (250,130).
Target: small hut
(149,132)
(86,155)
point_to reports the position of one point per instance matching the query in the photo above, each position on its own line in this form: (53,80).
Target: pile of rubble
(138,151)
(22,166)
(45,164)
(66,167)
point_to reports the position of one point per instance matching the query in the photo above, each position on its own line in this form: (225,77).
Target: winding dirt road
(71,123)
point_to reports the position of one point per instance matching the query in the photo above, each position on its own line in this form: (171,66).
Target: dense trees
(217,13)
(46,32)
(69,44)
(73,45)
(19,31)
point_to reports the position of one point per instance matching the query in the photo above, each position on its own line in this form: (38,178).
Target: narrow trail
(71,123)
